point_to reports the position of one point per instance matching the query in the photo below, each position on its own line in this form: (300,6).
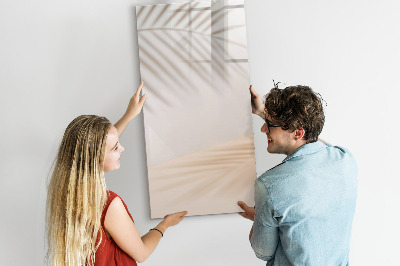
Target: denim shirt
(305,208)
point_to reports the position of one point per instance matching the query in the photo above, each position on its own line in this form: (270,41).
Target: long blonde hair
(77,193)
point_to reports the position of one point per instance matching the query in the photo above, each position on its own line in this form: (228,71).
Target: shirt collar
(306,149)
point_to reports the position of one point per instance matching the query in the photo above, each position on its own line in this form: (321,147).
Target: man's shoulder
(330,156)
(339,154)
(273,175)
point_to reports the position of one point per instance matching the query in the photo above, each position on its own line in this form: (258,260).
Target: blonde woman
(87,224)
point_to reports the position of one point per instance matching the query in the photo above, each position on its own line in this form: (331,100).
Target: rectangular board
(197,115)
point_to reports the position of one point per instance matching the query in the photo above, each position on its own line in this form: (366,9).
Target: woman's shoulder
(111,196)
(116,203)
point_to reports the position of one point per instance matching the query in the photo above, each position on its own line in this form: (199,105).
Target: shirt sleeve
(264,239)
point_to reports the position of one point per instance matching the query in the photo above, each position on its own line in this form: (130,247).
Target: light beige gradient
(210,181)
(197,116)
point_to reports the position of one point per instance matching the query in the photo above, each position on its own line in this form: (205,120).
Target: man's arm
(264,237)
(248,213)
(323,141)
(257,105)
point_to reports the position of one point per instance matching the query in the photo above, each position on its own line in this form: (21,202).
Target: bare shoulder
(116,204)
(121,228)
(115,211)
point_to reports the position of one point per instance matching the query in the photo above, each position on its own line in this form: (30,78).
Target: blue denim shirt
(305,208)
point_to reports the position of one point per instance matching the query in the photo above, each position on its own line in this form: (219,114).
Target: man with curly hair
(304,206)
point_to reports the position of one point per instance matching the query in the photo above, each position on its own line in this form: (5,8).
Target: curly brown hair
(297,107)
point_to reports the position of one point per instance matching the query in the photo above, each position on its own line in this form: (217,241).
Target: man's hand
(257,105)
(248,211)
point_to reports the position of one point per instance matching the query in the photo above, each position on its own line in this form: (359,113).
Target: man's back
(305,208)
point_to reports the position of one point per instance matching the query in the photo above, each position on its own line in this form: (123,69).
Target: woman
(87,224)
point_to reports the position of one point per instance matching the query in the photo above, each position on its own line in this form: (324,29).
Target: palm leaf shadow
(158,21)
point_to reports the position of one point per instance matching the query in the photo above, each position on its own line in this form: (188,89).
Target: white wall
(59,59)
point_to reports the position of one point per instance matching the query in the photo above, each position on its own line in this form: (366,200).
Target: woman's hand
(257,105)
(174,219)
(135,105)
(170,220)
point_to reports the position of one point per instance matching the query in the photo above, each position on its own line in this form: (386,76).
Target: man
(304,206)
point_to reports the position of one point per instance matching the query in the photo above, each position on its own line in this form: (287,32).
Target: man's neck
(297,145)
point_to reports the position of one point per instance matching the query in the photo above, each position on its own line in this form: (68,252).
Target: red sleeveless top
(108,253)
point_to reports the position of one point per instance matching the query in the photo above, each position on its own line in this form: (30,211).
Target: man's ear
(299,134)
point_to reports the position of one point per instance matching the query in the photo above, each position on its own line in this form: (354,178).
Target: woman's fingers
(139,89)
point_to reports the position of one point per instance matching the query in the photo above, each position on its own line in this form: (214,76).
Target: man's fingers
(243,214)
(253,92)
(243,205)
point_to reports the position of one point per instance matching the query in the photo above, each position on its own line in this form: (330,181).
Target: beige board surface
(197,115)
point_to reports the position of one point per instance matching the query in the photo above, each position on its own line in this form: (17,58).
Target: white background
(60,59)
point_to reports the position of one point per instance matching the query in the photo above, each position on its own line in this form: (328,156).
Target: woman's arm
(134,108)
(122,229)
